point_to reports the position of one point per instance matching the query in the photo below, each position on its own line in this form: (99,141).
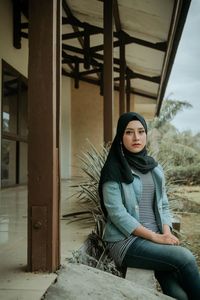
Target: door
(14,127)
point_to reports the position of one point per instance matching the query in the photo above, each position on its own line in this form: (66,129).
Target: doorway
(14,132)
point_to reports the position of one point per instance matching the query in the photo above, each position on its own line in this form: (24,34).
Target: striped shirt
(146,218)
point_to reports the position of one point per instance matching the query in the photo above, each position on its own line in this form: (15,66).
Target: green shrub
(188,175)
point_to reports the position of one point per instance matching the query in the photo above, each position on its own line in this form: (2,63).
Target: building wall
(18,59)
(87,121)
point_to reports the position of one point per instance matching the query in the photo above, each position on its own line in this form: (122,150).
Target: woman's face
(134,138)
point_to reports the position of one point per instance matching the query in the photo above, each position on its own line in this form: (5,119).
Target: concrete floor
(15,282)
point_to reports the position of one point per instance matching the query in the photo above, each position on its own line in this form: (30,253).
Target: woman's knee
(186,256)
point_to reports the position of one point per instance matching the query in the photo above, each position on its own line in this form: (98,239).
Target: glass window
(23,109)
(8,162)
(14,127)
(10,113)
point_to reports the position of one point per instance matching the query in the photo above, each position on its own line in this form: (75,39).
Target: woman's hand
(160,238)
(165,238)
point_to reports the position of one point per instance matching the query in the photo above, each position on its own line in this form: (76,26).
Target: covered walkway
(15,282)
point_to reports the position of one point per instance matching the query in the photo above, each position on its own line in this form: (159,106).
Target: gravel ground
(190,227)
(190,221)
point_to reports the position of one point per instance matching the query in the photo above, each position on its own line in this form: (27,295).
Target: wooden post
(122,104)
(108,71)
(43,140)
(16,24)
(128,94)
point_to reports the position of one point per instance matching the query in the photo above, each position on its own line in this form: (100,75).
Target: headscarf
(120,161)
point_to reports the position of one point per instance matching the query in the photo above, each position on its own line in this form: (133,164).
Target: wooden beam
(122,104)
(72,18)
(134,75)
(84,42)
(108,89)
(100,82)
(162,46)
(72,35)
(16,24)
(128,94)
(116,61)
(116,15)
(43,140)
(86,48)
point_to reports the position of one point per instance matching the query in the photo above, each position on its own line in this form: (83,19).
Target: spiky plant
(170,183)
(92,162)
(94,251)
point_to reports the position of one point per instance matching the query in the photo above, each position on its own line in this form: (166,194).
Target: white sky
(184,81)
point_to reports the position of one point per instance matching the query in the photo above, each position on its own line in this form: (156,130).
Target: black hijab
(119,161)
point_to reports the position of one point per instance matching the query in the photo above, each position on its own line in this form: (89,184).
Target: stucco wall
(18,59)
(87,120)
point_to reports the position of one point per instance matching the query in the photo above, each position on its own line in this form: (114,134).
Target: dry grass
(192,193)
(190,221)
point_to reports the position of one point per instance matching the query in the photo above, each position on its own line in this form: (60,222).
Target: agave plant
(86,191)
(94,251)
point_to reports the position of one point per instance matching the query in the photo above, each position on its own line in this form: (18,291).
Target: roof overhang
(150,32)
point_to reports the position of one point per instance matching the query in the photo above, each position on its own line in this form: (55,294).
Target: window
(14,127)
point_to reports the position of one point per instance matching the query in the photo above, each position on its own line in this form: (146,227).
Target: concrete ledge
(81,282)
(141,277)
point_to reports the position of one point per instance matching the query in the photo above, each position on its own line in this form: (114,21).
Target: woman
(138,227)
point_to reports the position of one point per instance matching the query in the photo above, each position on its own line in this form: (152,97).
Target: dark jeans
(175,267)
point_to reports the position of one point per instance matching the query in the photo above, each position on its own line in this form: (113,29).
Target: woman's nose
(135,136)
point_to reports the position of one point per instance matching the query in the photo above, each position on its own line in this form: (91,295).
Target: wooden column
(43,140)
(128,93)
(108,71)
(16,24)
(122,104)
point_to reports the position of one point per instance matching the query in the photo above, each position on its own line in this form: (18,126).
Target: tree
(168,111)
(179,151)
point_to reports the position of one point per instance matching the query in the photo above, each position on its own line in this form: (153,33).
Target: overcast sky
(184,82)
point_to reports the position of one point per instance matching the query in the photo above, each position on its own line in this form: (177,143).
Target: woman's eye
(128,132)
(131,132)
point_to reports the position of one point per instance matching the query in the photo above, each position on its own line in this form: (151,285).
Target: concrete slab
(139,276)
(81,282)
(20,294)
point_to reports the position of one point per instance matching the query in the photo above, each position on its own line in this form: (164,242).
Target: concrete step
(142,277)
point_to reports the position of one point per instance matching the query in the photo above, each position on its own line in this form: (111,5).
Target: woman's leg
(158,257)
(170,285)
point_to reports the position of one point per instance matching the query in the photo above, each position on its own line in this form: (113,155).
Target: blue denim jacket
(122,204)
